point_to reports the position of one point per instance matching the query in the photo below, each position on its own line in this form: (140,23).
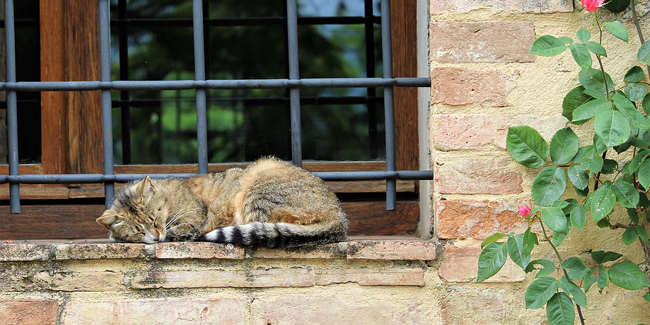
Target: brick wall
(483,80)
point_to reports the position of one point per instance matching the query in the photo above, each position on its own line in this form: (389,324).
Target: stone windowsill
(386,248)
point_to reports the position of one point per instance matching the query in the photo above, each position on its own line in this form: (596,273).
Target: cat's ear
(145,189)
(107,219)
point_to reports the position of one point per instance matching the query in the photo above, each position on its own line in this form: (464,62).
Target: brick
(326,251)
(480,175)
(480,42)
(480,131)
(255,278)
(461,265)
(79,281)
(459,219)
(156,311)
(372,276)
(312,309)
(459,86)
(479,304)
(28,312)
(439,7)
(24,252)
(391,250)
(88,251)
(198,250)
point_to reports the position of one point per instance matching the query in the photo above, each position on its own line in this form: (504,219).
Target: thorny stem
(559,257)
(600,41)
(597,178)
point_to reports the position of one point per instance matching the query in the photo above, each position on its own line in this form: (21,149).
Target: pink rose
(524,211)
(592,5)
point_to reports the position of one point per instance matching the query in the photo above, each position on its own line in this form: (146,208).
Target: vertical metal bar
(125,106)
(371,92)
(12,105)
(294,93)
(201,102)
(387,57)
(107,117)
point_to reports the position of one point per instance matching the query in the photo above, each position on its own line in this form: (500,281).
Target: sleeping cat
(271,203)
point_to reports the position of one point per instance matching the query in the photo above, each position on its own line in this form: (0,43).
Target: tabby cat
(271,203)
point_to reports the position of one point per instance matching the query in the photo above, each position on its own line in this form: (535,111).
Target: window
(265,62)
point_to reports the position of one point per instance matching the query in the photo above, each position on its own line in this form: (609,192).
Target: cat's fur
(270,203)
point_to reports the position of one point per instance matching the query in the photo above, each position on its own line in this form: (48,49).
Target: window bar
(12,105)
(201,101)
(369,32)
(107,117)
(387,57)
(294,93)
(125,107)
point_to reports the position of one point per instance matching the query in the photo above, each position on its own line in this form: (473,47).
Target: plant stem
(600,41)
(559,257)
(597,178)
(638,28)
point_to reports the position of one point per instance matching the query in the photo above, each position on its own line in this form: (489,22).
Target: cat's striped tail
(266,234)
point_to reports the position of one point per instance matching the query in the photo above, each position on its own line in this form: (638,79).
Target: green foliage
(620,124)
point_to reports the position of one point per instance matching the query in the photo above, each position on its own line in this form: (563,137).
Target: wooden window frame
(70,52)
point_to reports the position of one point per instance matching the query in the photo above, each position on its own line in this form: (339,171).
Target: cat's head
(135,214)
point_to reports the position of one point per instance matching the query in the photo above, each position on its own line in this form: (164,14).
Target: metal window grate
(201,85)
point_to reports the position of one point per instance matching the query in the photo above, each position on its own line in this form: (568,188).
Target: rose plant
(620,125)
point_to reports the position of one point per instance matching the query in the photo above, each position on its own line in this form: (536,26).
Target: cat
(270,203)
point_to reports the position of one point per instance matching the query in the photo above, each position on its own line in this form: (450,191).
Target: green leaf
(643,234)
(492,239)
(589,109)
(540,291)
(647,297)
(599,144)
(559,310)
(577,295)
(589,279)
(581,55)
(571,204)
(617,29)
(491,260)
(526,146)
(635,74)
(547,45)
(549,185)
(603,277)
(585,154)
(630,235)
(580,192)
(602,201)
(579,217)
(596,48)
(609,166)
(516,251)
(601,257)
(626,193)
(617,6)
(559,237)
(635,91)
(644,173)
(566,40)
(530,241)
(640,157)
(645,104)
(576,267)
(628,109)
(592,80)
(628,275)
(548,267)
(612,127)
(583,35)
(573,100)
(644,51)
(579,178)
(554,218)
(564,146)
(634,217)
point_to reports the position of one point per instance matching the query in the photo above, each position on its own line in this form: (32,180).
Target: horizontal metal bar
(244,21)
(123,178)
(214,84)
(305,100)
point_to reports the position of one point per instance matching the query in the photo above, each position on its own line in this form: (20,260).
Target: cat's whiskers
(176,226)
(178,215)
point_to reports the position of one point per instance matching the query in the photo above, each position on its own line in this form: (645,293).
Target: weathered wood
(27,169)
(37,192)
(78,221)
(54,115)
(404,45)
(85,148)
